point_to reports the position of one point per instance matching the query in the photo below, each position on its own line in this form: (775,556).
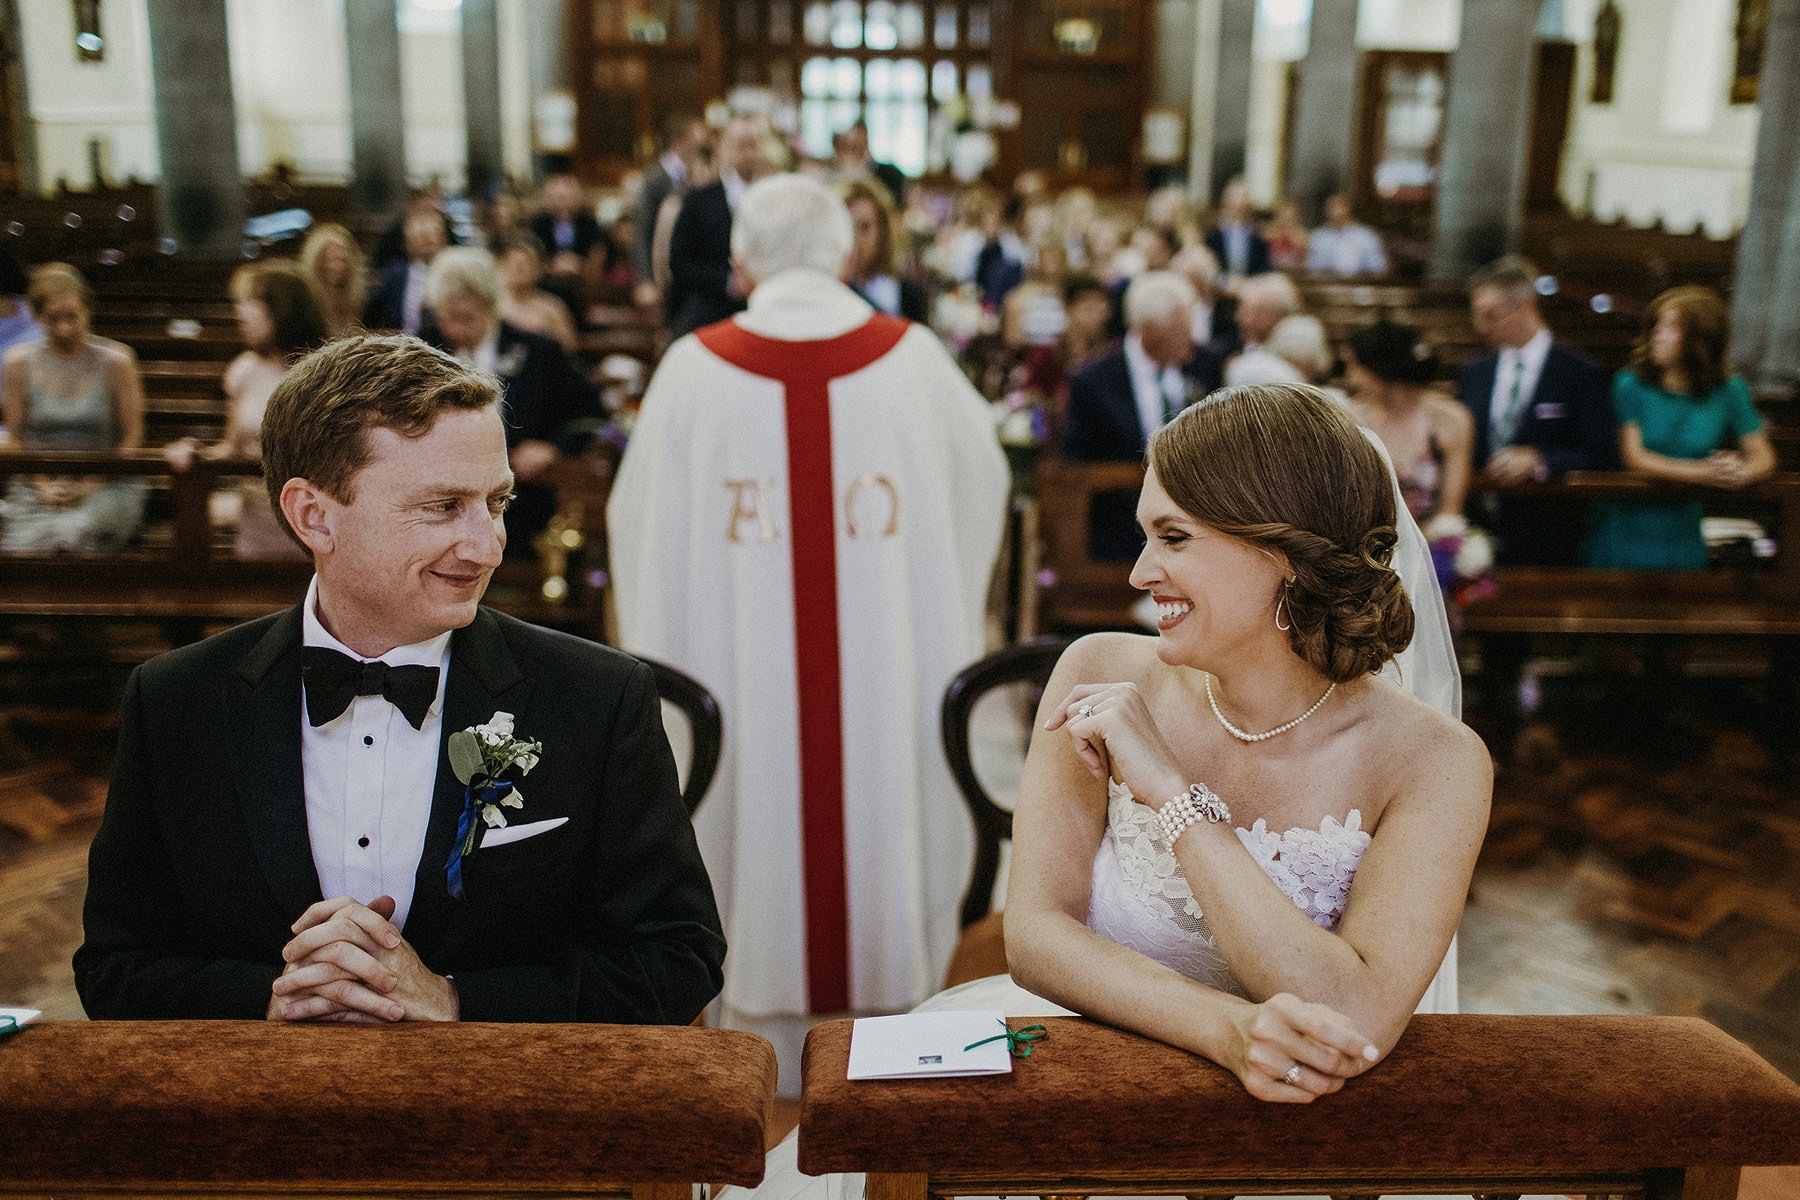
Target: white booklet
(929,1045)
(21,1016)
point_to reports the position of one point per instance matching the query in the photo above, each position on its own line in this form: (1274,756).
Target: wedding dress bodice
(1141,899)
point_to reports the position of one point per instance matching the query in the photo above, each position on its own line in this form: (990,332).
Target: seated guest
(17,325)
(1295,351)
(285,837)
(565,226)
(391,247)
(1262,302)
(1116,403)
(1241,250)
(397,301)
(1033,314)
(70,390)
(1286,237)
(1342,247)
(1215,313)
(1539,410)
(874,269)
(851,159)
(1390,370)
(502,217)
(549,406)
(999,265)
(525,305)
(702,286)
(1683,419)
(334,263)
(280,319)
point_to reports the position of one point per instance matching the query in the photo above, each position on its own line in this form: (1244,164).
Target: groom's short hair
(314,424)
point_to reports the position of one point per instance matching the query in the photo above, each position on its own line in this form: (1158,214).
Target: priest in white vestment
(805,520)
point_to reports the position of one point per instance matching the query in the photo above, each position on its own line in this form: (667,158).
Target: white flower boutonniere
(480,755)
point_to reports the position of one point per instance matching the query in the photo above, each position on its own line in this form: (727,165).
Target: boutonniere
(507,365)
(480,755)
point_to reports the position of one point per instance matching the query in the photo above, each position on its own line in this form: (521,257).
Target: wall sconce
(1077,35)
(89,46)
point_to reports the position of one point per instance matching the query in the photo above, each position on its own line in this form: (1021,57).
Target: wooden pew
(183,579)
(111,1108)
(1664,1108)
(1081,592)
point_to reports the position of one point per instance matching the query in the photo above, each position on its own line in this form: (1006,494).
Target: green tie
(1508,425)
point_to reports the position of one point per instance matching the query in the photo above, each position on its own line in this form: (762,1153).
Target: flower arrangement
(480,755)
(1462,555)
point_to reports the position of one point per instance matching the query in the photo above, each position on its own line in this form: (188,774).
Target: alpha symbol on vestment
(750,502)
(863,516)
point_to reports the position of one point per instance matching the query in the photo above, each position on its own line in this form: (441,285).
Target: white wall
(1670,145)
(73,101)
(1408,24)
(290,80)
(431,84)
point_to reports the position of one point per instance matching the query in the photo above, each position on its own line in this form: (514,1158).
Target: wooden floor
(1644,855)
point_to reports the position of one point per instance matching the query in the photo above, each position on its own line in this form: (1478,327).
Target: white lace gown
(1139,899)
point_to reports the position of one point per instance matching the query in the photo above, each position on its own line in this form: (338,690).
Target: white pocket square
(518,833)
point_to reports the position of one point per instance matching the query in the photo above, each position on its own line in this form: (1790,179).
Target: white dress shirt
(1151,385)
(412,300)
(1528,359)
(369,779)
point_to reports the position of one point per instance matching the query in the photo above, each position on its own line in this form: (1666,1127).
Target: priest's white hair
(1155,295)
(788,221)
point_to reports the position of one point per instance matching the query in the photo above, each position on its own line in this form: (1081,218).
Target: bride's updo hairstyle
(1283,467)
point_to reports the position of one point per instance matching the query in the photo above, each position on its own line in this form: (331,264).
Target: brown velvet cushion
(1457,1092)
(203,1101)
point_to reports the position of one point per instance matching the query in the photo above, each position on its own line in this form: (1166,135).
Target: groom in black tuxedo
(284,807)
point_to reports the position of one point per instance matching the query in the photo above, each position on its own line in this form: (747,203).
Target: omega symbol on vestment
(866,513)
(750,502)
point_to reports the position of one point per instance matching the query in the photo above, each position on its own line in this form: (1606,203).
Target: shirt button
(363,842)
(368,741)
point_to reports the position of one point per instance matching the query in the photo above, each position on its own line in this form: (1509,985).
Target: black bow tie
(333,680)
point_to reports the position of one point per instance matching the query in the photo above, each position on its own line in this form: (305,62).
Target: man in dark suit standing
(850,155)
(1241,250)
(702,286)
(689,142)
(397,300)
(1117,402)
(286,803)
(1540,410)
(565,226)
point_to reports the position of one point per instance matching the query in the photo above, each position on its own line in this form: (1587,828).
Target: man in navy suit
(703,288)
(1116,403)
(1241,250)
(284,807)
(1540,410)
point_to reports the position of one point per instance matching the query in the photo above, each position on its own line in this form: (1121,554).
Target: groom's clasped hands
(347,962)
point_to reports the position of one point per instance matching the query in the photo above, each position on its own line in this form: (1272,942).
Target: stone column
(1222,85)
(1325,113)
(200,200)
(1765,326)
(481,94)
(1481,183)
(377,110)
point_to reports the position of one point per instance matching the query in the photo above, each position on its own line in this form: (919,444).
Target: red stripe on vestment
(806,369)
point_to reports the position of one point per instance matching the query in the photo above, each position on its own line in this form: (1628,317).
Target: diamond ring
(1086,710)
(1292,1078)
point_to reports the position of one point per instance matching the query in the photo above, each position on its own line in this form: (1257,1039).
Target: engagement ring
(1086,710)
(1292,1078)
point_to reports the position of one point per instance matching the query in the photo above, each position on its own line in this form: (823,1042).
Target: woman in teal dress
(1681,419)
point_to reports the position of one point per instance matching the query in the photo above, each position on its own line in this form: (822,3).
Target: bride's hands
(1113,732)
(1293,1052)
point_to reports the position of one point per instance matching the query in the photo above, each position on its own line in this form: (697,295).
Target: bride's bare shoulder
(1112,658)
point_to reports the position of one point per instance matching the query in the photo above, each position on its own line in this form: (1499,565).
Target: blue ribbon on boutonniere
(473,798)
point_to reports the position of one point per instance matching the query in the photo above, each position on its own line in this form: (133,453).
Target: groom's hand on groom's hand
(347,962)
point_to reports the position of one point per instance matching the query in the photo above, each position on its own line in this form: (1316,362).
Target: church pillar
(200,200)
(1765,327)
(481,94)
(1222,62)
(1325,115)
(1481,183)
(377,109)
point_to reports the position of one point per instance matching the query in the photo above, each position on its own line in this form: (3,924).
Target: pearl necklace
(1241,736)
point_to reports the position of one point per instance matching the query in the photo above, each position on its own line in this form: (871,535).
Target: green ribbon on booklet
(1018,1041)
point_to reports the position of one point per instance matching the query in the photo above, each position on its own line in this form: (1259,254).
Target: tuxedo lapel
(484,679)
(266,766)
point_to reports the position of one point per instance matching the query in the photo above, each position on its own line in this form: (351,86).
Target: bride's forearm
(1060,959)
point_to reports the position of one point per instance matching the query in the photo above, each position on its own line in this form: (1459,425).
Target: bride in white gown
(1235,837)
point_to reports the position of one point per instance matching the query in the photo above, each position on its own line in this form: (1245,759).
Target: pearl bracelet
(1190,806)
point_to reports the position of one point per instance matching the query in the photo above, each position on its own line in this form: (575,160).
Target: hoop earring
(1278,603)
